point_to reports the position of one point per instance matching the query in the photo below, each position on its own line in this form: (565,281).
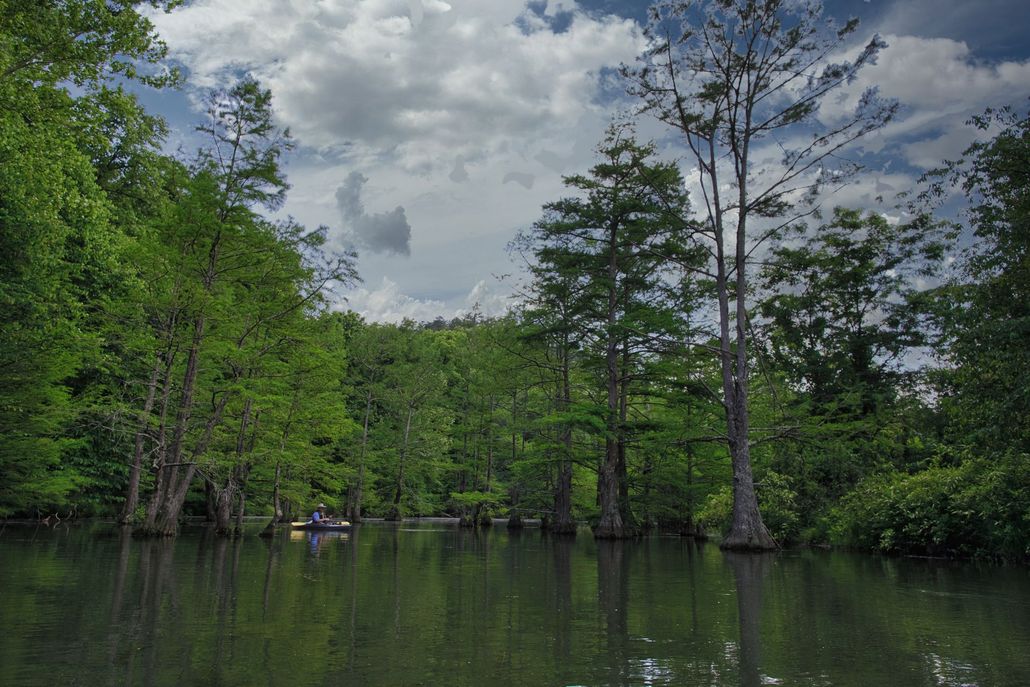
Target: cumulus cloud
(388,303)
(487,298)
(974,22)
(939,84)
(422,80)
(435,101)
(465,113)
(459,173)
(384,232)
(935,75)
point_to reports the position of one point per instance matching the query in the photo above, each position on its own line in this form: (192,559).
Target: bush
(977,508)
(777,502)
(717,512)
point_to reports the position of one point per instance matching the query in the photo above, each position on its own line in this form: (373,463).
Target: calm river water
(429,604)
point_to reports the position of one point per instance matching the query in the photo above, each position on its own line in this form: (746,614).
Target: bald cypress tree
(612,239)
(729,76)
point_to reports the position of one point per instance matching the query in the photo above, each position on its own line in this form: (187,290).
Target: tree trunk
(514,518)
(395,511)
(223,508)
(210,502)
(621,468)
(611,525)
(143,420)
(166,521)
(233,490)
(514,515)
(279,512)
(277,505)
(563,522)
(158,495)
(354,502)
(489,446)
(161,520)
(287,511)
(241,498)
(747,531)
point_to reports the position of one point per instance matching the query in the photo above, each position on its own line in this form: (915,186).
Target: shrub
(777,502)
(978,508)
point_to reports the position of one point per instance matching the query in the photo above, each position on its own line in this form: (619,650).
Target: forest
(743,361)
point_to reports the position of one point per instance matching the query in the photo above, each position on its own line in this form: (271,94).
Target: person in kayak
(319,514)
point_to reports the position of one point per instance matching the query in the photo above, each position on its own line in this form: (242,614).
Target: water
(429,604)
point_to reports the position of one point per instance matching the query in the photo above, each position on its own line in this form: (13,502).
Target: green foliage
(717,512)
(476,498)
(778,502)
(156,320)
(984,313)
(62,249)
(977,508)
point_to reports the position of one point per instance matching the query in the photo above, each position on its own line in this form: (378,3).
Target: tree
(367,362)
(238,173)
(413,382)
(984,312)
(726,77)
(615,237)
(840,319)
(550,337)
(59,230)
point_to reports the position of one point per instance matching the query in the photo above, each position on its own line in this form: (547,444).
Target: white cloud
(435,103)
(388,303)
(439,103)
(935,76)
(488,298)
(422,81)
(939,84)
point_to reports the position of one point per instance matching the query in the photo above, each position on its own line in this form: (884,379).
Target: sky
(430,132)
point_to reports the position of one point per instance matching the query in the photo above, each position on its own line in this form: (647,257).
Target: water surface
(430,604)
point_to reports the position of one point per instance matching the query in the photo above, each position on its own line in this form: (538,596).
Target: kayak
(339,526)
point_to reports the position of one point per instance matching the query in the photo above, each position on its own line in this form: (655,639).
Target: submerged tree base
(690,529)
(615,532)
(565,529)
(757,539)
(145,532)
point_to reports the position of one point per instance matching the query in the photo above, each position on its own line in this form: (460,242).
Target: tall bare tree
(742,81)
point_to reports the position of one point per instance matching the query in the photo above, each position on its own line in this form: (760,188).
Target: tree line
(697,346)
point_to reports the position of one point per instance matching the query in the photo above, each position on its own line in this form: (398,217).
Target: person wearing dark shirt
(319,514)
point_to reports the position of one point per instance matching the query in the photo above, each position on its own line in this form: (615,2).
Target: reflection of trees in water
(513,550)
(226,565)
(695,550)
(146,630)
(613,597)
(356,533)
(119,610)
(562,551)
(155,570)
(271,564)
(749,569)
(396,585)
(116,629)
